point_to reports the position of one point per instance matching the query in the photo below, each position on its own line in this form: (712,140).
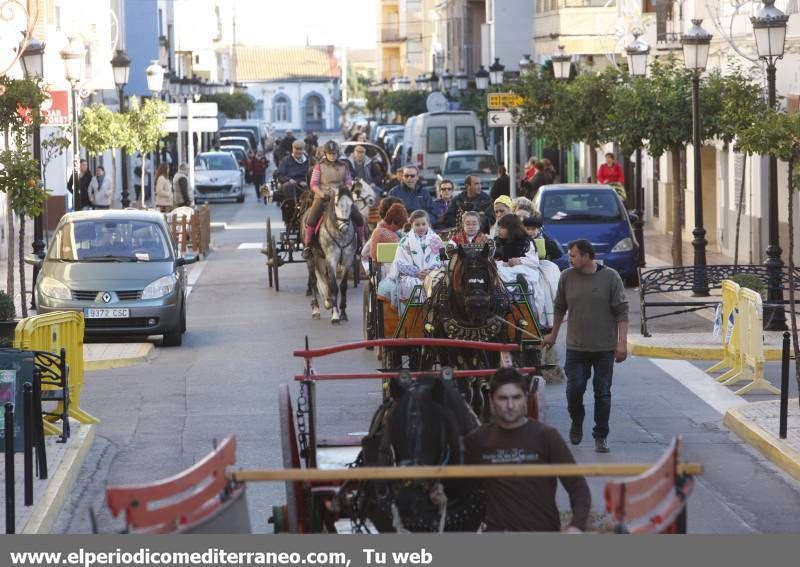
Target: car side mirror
(33,260)
(186,260)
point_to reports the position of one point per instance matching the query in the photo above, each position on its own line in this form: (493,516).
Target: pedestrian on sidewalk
(100,189)
(597,335)
(182,196)
(163,189)
(84,179)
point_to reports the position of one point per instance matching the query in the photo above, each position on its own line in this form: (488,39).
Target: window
(590,206)
(437,140)
(414,52)
(465,138)
(313,108)
(281,109)
(110,241)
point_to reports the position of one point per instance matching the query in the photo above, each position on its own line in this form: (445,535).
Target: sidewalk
(689,337)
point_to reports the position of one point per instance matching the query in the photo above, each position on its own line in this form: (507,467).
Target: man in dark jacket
(501,185)
(472,198)
(413,195)
(293,168)
(84,179)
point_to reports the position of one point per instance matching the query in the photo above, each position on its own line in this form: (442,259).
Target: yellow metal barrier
(751,344)
(51,332)
(729,329)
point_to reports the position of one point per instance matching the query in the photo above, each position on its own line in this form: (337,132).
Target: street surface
(161,417)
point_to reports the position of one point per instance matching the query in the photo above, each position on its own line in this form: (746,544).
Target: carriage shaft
(451,471)
(390,375)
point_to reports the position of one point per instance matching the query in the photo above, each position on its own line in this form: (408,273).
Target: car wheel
(183,318)
(173,337)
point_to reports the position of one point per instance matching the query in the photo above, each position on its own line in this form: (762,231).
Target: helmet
(331,147)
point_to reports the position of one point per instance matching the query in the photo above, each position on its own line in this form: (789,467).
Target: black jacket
(501,186)
(482,203)
(505,249)
(552,248)
(83,187)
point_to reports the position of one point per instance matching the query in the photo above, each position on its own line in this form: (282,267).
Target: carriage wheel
(536,399)
(275,263)
(369,327)
(356,270)
(295,495)
(270,251)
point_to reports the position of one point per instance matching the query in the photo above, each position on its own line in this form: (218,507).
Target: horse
(364,198)
(333,256)
(422,422)
(468,301)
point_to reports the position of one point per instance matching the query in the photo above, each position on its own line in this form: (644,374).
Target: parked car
(258,127)
(238,153)
(240,141)
(217,175)
(226,132)
(435,133)
(121,269)
(596,213)
(457,165)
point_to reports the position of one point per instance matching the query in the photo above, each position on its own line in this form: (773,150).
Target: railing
(191,228)
(390,35)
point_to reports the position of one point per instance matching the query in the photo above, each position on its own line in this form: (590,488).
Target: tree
(594,95)
(101,130)
(145,126)
(235,105)
(777,134)
(402,103)
(20,102)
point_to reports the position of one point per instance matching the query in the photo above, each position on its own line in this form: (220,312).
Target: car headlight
(624,245)
(54,289)
(160,287)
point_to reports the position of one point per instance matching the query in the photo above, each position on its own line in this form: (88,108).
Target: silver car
(121,269)
(217,176)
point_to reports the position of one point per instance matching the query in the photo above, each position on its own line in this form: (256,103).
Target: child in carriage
(518,261)
(418,254)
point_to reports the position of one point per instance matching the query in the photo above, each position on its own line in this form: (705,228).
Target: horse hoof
(344,316)
(328,304)
(315,313)
(335,320)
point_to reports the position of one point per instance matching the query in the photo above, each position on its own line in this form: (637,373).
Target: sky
(348,23)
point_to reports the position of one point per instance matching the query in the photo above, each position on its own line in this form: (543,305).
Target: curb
(60,484)
(142,356)
(776,450)
(689,353)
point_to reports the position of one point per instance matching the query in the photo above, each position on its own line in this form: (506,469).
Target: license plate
(118,313)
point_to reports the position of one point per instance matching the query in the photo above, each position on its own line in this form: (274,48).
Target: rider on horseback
(326,176)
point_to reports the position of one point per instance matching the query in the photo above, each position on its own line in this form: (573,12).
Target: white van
(408,133)
(435,133)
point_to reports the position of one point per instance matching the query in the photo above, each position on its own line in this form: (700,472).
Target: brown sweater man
(525,504)
(597,336)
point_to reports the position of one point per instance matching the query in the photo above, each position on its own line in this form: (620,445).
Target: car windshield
(110,241)
(462,165)
(216,162)
(589,205)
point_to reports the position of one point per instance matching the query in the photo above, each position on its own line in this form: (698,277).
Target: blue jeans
(578,368)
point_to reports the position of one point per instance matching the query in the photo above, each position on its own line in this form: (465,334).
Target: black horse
(469,302)
(422,422)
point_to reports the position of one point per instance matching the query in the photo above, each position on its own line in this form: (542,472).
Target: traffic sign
(500,119)
(501,101)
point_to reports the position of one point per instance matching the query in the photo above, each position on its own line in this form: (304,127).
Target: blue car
(593,212)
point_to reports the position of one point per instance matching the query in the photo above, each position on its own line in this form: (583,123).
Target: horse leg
(343,297)
(312,289)
(332,298)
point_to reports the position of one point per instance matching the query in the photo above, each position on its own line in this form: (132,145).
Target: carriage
(339,485)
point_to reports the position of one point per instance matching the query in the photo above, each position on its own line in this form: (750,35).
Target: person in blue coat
(413,195)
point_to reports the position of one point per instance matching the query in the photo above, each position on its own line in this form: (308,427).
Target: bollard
(27,432)
(784,387)
(10,496)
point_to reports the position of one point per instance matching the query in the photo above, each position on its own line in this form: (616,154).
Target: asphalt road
(159,418)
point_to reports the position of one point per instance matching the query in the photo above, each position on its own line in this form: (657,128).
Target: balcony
(391,35)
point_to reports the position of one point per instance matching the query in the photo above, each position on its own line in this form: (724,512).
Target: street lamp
(481,79)
(638,52)
(769,28)
(433,81)
(525,65)
(496,72)
(447,80)
(73,56)
(421,83)
(696,42)
(462,80)
(33,67)
(155,78)
(121,66)
(561,63)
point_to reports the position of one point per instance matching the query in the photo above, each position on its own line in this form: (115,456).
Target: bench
(653,502)
(656,281)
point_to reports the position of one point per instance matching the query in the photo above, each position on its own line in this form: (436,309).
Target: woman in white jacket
(100,189)
(163,189)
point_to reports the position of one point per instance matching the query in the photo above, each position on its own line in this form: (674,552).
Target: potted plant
(8,321)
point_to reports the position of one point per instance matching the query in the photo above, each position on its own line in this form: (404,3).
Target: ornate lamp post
(33,65)
(421,83)
(496,72)
(769,28)
(447,80)
(481,79)
(73,56)
(696,42)
(562,61)
(121,66)
(433,81)
(462,81)
(638,52)
(525,65)
(155,82)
